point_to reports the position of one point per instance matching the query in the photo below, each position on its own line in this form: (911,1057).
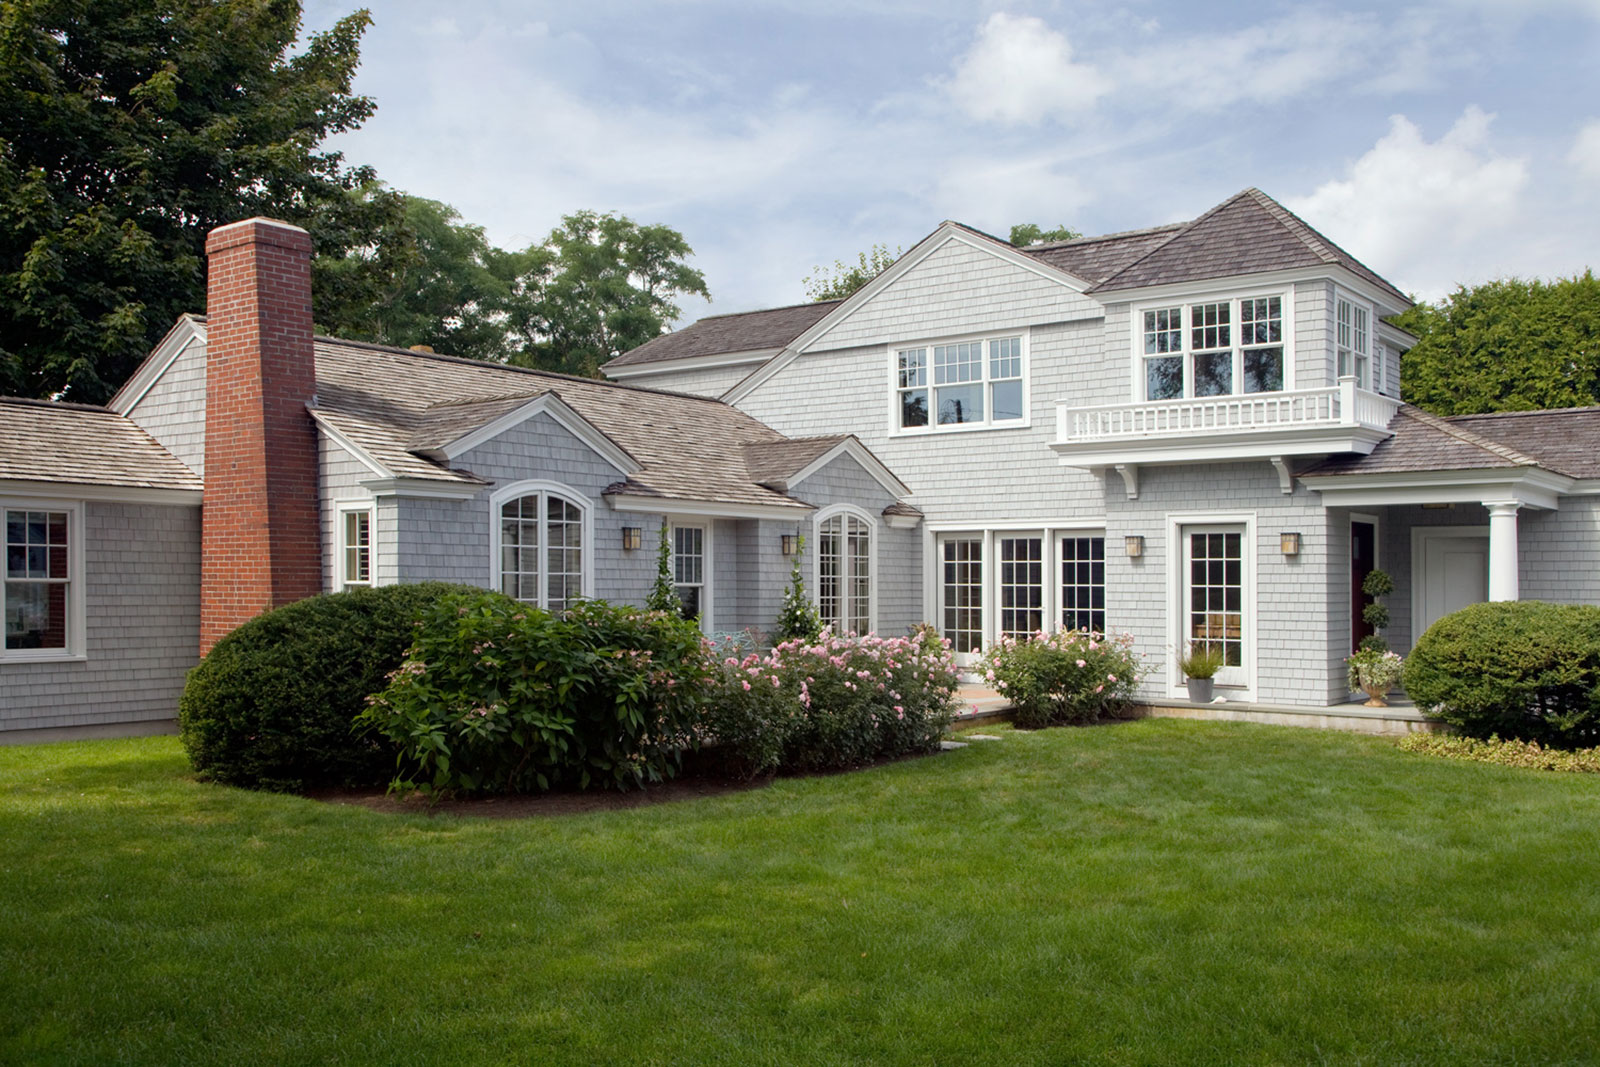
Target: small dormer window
(972,384)
(1217,348)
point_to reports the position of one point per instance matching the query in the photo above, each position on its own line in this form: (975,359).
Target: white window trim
(1136,375)
(708,593)
(1177,601)
(990,534)
(586,533)
(1374,367)
(874,537)
(342,508)
(77,626)
(989,424)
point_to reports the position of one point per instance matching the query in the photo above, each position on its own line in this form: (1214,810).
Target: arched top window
(845,570)
(541,550)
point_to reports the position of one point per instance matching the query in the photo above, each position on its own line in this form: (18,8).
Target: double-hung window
(355,546)
(689,569)
(40,594)
(960,384)
(1353,342)
(1216,348)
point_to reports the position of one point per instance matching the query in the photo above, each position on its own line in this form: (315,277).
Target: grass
(1156,892)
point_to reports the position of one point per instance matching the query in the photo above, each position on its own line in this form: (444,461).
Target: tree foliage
(1024,234)
(1508,345)
(842,279)
(131,128)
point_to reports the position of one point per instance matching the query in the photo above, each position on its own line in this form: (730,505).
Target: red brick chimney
(261,525)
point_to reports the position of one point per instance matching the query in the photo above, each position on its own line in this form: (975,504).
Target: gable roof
(1565,441)
(1249,233)
(44,441)
(775,463)
(400,402)
(745,331)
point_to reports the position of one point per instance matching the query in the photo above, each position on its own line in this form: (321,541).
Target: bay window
(976,383)
(1217,348)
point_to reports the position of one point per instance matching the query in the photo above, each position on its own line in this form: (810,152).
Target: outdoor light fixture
(632,537)
(1135,545)
(789,544)
(1290,543)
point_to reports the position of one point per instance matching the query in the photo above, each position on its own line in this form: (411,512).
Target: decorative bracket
(1130,479)
(1285,476)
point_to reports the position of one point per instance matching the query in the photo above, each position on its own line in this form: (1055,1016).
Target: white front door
(1451,572)
(1215,597)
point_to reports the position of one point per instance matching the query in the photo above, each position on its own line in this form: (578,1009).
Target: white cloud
(1421,212)
(1585,154)
(1019,71)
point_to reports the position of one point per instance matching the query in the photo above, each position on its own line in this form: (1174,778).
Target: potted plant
(1200,666)
(1375,672)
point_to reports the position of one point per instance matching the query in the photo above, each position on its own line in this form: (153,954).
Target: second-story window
(968,384)
(1353,342)
(1216,348)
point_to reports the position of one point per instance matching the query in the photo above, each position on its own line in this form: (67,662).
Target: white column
(1503,555)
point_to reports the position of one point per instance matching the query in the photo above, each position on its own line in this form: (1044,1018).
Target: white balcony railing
(1340,405)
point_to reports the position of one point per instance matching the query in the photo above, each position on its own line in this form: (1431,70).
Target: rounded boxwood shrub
(272,705)
(1517,669)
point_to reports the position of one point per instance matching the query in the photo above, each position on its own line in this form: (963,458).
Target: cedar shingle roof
(1248,233)
(41,441)
(744,331)
(1565,441)
(690,448)
(773,463)
(1094,259)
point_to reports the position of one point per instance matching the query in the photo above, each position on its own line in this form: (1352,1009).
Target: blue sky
(1442,143)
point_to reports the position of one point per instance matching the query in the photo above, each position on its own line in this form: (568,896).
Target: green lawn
(1156,892)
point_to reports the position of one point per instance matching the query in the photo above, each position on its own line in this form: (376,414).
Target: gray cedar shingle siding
(41,441)
(746,331)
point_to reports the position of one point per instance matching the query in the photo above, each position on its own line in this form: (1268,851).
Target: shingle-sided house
(1190,432)
(249,463)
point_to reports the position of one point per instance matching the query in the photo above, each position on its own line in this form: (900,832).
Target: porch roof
(1564,442)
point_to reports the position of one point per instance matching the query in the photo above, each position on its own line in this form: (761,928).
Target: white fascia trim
(341,439)
(902,522)
(655,505)
(1532,486)
(689,363)
(108,494)
(1257,444)
(862,455)
(184,332)
(1585,487)
(1053,525)
(924,248)
(1206,287)
(1394,335)
(422,488)
(564,416)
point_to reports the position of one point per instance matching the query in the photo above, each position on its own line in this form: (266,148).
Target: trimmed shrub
(497,696)
(830,704)
(1528,754)
(1520,669)
(1070,676)
(273,703)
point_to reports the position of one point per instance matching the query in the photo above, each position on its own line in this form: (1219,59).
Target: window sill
(8,658)
(959,428)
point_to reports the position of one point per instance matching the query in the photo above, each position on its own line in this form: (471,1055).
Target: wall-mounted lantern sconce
(1290,543)
(789,541)
(1135,545)
(632,537)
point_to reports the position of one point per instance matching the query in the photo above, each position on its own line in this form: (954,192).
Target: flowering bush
(1381,670)
(496,696)
(831,703)
(1067,676)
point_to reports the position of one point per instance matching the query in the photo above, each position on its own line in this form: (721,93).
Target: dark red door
(1363,556)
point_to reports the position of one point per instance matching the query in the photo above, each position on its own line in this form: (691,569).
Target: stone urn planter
(1375,673)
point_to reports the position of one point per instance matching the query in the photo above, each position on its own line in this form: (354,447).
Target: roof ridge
(56,405)
(1094,238)
(1318,245)
(1179,232)
(763,311)
(484,364)
(1516,414)
(1466,436)
(464,401)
